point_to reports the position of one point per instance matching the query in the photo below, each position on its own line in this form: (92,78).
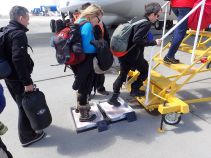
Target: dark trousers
(85,79)
(179,32)
(4,148)
(16,90)
(100,79)
(125,66)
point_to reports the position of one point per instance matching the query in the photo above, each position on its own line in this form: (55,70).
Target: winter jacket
(16,53)
(182,3)
(87,36)
(138,40)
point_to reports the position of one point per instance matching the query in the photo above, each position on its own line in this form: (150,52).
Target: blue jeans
(179,32)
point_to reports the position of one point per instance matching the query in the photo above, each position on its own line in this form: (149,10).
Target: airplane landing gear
(159,24)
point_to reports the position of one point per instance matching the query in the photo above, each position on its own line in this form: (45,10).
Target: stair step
(180,67)
(189,49)
(159,80)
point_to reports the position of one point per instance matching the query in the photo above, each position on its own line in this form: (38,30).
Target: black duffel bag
(36,109)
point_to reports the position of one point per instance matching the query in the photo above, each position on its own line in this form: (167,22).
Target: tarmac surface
(139,139)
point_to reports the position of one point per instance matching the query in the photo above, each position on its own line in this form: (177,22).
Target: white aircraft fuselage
(116,11)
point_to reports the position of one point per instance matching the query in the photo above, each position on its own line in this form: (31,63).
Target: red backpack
(68,45)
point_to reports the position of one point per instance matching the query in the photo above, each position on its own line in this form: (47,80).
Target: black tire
(172,118)
(169,24)
(209,65)
(158,25)
(52,25)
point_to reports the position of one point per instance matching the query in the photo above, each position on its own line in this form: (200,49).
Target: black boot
(114,100)
(135,89)
(77,108)
(137,93)
(85,115)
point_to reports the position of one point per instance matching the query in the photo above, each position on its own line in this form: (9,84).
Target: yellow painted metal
(200,100)
(160,130)
(202,46)
(163,88)
(174,104)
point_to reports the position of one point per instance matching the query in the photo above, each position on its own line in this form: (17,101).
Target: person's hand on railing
(158,41)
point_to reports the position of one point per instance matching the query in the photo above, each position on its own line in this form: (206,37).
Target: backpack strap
(82,22)
(133,24)
(139,22)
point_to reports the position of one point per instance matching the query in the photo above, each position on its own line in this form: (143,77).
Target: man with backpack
(134,58)
(20,81)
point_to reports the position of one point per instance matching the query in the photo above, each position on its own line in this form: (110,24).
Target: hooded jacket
(16,53)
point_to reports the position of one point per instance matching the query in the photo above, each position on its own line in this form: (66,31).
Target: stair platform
(99,123)
(115,114)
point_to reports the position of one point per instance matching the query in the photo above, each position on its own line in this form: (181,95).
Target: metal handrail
(164,25)
(202,4)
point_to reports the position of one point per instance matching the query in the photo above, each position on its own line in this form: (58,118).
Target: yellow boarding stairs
(160,90)
(161,98)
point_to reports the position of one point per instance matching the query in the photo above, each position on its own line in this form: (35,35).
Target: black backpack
(68,45)
(104,55)
(5,68)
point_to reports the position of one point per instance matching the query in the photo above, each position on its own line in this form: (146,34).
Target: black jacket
(16,53)
(138,38)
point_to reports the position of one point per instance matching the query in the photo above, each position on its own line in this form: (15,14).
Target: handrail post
(149,76)
(164,25)
(197,31)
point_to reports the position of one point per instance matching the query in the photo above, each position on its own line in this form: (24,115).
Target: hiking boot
(137,93)
(114,100)
(85,115)
(168,60)
(3,128)
(35,138)
(104,92)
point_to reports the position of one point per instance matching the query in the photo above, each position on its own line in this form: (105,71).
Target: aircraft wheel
(209,65)
(52,25)
(172,118)
(169,24)
(158,25)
